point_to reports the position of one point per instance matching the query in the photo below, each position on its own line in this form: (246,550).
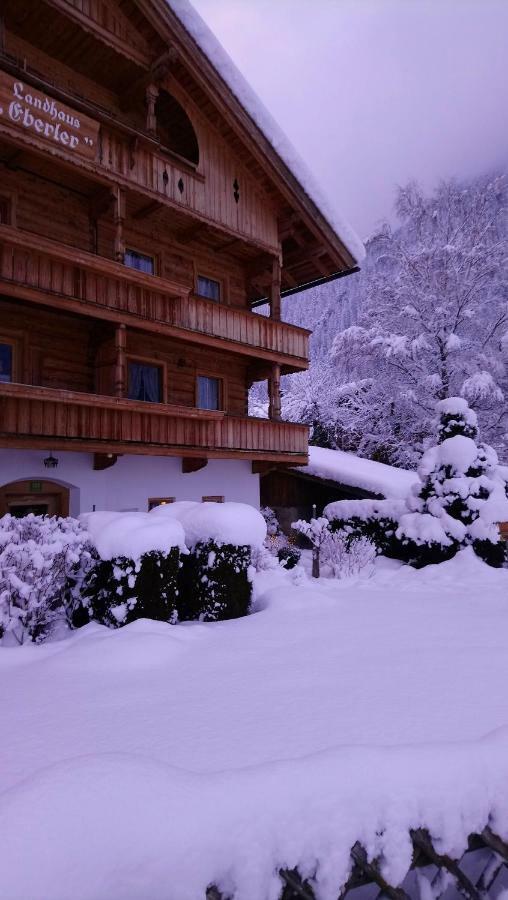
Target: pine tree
(462,494)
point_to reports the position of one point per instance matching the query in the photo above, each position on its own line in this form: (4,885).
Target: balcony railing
(36,268)
(38,416)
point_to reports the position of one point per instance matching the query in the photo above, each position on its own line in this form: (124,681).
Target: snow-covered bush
(289,557)
(458,501)
(348,556)
(215,582)
(215,576)
(136,574)
(43,561)
(373,520)
(118,591)
(275,541)
(345,554)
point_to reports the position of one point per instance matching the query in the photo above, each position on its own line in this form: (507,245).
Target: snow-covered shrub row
(460,498)
(43,562)
(181,561)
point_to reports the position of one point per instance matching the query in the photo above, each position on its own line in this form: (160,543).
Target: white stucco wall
(132,480)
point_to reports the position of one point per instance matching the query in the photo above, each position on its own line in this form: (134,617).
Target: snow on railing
(479,874)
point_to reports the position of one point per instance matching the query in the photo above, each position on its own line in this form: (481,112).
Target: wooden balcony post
(121,363)
(274,411)
(152,93)
(275,290)
(119,223)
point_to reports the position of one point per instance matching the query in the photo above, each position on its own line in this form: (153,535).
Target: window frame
(208,277)
(222,390)
(147,361)
(154,502)
(16,358)
(9,198)
(153,256)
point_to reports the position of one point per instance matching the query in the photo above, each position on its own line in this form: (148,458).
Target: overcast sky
(375,92)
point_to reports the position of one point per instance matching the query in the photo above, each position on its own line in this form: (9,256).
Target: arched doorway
(38,496)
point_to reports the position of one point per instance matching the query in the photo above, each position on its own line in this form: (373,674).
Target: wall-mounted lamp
(50,462)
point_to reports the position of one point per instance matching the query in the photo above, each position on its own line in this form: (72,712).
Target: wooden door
(19,498)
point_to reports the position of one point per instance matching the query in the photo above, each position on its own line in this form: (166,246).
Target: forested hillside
(426,318)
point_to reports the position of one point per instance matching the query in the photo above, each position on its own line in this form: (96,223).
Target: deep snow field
(150,761)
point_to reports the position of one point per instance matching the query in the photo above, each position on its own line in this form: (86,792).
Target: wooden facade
(131,177)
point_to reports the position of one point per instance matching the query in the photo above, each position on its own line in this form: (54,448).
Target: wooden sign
(43,117)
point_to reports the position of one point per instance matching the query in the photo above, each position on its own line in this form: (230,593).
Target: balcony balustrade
(38,269)
(46,417)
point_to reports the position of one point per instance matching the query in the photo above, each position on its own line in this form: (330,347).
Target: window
(207,287)
(212,498)
(159,501)
(175,129)
(6,363)
(208,392)
(140,261)
(5,211)
(145,382)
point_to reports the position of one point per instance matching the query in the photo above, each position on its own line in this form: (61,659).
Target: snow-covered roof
(351,470)
(224,65)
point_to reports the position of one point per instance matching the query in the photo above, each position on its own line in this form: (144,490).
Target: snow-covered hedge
(43,561)
(215,582)
(119,590)
(373,520)
(184,560)
(460,497)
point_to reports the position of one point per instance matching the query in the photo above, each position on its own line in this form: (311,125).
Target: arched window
(174,128)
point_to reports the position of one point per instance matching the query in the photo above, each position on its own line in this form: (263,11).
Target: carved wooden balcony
(67,420)
(40,270)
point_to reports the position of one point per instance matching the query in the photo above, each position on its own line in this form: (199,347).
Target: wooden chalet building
(144,215)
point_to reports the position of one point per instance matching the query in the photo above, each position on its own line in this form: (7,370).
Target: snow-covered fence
(480,873)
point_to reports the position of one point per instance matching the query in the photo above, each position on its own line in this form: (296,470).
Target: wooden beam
(193,464)
(121,363)
(274,410)
(151,95)
(275,305)
(94,26)
(141,448)
(120,212)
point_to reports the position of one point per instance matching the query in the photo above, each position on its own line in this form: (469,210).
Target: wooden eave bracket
(158,71)
(103,461)
(193,464)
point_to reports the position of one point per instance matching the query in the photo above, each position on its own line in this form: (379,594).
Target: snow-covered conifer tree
(462,494)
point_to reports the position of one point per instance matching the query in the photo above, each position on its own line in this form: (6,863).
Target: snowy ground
(152,760)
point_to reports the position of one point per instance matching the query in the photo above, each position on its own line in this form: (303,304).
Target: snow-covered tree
(462,495)
(434,321)
(430,320)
